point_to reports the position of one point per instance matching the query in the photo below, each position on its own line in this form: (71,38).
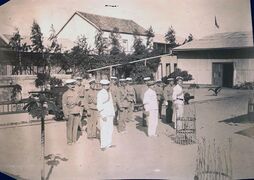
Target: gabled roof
(228,40)
(3,41)
(105,23)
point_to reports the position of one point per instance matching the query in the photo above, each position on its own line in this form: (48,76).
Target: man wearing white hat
(178,100)
(106,110)
(91,108)
(131,96)
(151,107)
(80,90)
(123,104)
(159,91)
(168,92)
(71,109)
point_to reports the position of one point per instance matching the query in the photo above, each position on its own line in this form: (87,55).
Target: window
(125,45)
(175,66)
(168,69)
(159,72)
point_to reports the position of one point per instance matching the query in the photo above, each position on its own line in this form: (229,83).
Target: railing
(12,107)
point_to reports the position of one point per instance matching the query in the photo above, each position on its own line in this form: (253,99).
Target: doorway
(223,74)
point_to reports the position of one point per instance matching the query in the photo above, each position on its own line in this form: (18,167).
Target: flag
(216,23)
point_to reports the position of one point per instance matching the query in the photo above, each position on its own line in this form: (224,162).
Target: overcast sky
(186,16)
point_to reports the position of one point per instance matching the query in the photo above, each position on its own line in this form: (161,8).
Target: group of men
(112,102)
(156,95)
(95,103)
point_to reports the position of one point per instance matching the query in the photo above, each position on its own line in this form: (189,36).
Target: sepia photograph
(138,89)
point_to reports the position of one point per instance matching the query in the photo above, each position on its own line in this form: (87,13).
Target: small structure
(9,56)
(251,108)
(222,59)
(185,130)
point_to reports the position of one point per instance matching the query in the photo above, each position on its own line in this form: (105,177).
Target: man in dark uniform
(71,109)
(131,98)
(92,113)
(168,92)
(160,95)
(114,89)
(123,104)
(80,90)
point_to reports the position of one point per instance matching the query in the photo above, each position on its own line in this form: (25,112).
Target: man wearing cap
(131,96)
(71,109)
(106,111)
(178,100)
(80,90)
(159,92)
(92,113)
(123,104)
(151,107)
(168,92)
(114,89)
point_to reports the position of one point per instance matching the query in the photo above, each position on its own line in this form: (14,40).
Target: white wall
(201,69)
(26,81)
(127,41)
(76,27)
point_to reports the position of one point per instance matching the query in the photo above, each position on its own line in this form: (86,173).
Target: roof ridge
(105,16)
(106,23)
(236,39)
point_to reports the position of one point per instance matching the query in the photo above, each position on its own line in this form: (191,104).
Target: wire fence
(213,161)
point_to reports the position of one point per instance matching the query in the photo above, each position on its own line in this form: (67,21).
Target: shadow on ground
(242,119)
(249,132)
(53,161)
(140,125)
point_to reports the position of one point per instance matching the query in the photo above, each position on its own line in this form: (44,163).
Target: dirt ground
(135,155)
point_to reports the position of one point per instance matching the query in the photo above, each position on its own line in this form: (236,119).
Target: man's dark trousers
(169,112)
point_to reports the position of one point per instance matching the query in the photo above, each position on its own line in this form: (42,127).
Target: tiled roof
(228,40)
(105,23)
(3,42)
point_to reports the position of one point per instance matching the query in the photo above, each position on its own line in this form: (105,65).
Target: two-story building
(81,23)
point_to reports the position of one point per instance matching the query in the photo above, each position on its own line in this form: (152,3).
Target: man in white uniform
(106,111)
(178,100)
(151,107)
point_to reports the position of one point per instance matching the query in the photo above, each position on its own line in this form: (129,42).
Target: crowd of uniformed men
(112,102)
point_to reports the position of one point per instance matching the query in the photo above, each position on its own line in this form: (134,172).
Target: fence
(11,107)
(213,161)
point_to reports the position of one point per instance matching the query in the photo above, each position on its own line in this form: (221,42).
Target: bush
(53,81)
(42,78)
(178,72)
(184,74)
(245,85)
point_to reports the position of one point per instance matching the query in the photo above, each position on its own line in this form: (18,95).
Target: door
(217,70)
(228,73)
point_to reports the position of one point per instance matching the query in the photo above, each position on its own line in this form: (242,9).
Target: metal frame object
(185,130)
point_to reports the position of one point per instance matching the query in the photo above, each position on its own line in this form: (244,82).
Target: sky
(185,16)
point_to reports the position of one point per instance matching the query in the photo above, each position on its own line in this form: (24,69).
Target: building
(5,64)
(222,59)
(7,55)
(81,23)
(160,43)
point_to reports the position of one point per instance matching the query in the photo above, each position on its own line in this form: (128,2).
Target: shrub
(178,72)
